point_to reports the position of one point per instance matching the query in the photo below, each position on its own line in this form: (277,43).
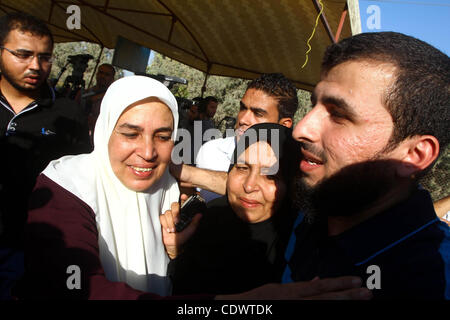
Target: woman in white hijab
(93,229)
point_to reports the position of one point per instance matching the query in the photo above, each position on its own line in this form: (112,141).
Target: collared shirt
(405,251)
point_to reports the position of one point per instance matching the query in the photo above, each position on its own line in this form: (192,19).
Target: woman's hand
(173,241)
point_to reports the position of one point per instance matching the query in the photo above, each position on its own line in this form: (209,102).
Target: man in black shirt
(35,127)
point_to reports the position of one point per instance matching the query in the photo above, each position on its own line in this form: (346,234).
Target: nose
(251,182)
(246,118)
(147,150)
(308,128)
(35,64)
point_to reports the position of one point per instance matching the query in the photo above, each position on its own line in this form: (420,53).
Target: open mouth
(142,172)
(141,169)
(309,161)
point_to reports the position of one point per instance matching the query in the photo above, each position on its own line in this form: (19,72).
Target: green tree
(437,181)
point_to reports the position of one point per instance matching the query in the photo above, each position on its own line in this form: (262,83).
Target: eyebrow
(164,129)
(32,52)
(131,127)
(140,129)
(253,109)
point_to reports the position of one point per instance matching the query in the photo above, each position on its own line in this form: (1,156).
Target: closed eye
(164,137)
(336,114)
(130,135)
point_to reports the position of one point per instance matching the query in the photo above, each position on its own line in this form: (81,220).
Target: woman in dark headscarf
(241,239)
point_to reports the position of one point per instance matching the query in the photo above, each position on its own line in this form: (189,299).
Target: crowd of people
(292,212)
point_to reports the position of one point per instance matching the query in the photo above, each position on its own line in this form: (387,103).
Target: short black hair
(281,88)
(203,104)
(25,23)
(419,98)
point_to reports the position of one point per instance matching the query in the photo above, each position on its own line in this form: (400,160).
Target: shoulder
(219,212)
(213,144)
(52,203)
(216,154)
(418,267)
(218,204)
(216,223)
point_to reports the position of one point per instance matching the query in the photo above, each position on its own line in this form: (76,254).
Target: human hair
(109,66)
(419,97)
(25,23)
(203,104)
(276,85)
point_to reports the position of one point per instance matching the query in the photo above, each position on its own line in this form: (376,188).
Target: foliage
(437,181)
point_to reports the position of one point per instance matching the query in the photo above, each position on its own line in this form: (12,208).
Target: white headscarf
(130,240)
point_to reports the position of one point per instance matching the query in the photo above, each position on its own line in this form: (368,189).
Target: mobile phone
(193,205)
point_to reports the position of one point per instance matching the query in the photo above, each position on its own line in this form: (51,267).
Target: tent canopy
(236,38)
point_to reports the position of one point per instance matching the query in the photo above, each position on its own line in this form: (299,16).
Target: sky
(427,20)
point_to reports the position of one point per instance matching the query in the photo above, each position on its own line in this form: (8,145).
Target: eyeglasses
(27,56)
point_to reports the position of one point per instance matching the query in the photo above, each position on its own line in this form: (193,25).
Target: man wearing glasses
(35,127)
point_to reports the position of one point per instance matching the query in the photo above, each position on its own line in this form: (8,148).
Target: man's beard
(6,75)
(348,192)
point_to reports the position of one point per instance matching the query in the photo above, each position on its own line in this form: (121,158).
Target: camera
(74,82)
(79,63)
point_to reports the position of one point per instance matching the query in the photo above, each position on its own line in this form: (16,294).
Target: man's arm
(342,288)
(188,176)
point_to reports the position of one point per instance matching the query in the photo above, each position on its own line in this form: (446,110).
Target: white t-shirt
(447,216)
(215,155)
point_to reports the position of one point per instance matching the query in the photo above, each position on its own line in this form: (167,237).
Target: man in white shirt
(269,98)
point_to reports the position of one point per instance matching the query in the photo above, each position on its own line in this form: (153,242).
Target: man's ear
(419,152)
(287,122)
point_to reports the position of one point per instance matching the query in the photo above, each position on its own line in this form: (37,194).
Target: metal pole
(206,78)
(354,15)
(324,21)
(95,68)
(341,24)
